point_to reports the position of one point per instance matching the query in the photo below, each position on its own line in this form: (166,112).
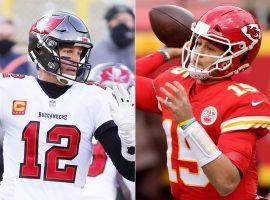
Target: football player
(49,122)
(211,122)
(102,173)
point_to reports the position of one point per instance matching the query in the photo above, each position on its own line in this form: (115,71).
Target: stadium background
(25,12)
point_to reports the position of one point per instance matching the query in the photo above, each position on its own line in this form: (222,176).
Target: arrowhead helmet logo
(253,32)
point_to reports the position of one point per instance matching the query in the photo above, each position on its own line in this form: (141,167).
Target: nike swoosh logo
(253,103)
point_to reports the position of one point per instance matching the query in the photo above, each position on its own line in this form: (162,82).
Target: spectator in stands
(117,45)
(10,61)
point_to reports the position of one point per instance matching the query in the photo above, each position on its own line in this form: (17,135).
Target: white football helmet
(110,74)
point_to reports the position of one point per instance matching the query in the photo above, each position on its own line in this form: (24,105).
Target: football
(171,24)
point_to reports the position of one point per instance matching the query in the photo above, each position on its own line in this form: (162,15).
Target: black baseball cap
(118,9)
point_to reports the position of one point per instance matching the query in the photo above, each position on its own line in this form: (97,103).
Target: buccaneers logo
(253,32)
(46,24)
(115,75)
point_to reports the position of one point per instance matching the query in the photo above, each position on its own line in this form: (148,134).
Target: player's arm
(219,167)
(223,175)
(119,142)
(145,95)
(223,164)
(107,135)
(116,131)
(148,64)
(237,148)
(226,171)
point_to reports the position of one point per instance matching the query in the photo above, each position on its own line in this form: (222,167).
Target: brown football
(171,24)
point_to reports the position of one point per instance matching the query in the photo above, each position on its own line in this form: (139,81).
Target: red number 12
(30,167)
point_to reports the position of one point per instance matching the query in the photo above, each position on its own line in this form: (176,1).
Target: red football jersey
(233,114)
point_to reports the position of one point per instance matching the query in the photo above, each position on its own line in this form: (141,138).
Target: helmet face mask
(220,63)
(51,32)
(232,36)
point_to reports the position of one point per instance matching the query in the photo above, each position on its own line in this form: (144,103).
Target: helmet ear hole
(217,29)
(84,53)
(244,57)
(38,50)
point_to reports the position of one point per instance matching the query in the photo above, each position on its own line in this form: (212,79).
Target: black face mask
(122,35)
(5,46)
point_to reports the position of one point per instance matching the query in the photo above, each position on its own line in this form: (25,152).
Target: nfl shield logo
(52,103)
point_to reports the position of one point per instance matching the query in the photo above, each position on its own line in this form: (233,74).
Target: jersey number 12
(30,167)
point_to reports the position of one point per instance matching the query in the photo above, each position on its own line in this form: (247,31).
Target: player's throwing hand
(177,101)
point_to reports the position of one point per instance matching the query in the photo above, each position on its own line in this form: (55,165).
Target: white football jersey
(102,174)
(132,188)
(47,142)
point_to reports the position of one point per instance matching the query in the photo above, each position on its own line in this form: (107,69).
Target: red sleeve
(238,147)
(250,111)
(146,95)
(164,67)
(148,64)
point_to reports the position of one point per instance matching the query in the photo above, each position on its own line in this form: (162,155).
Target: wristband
(165,54)
(201,144)
(186,123)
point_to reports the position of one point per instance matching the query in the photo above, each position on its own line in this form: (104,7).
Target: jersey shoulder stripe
(244,123)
